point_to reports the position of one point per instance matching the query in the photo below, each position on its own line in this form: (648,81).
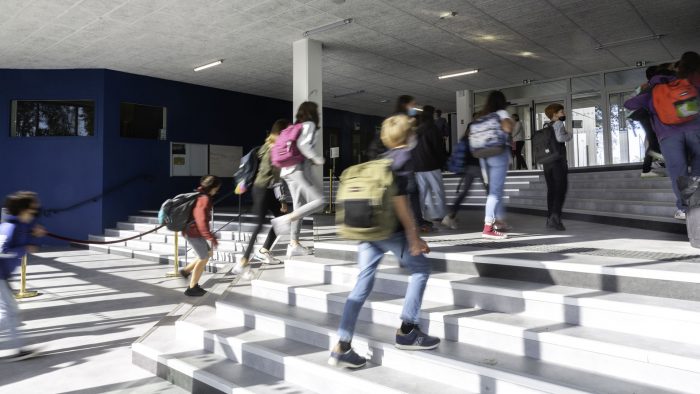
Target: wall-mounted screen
(142,121)
(49,118)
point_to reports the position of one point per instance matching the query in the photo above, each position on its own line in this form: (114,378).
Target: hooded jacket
(429,153)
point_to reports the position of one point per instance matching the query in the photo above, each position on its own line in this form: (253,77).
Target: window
(50,118)
(627,135)
(142,121)
(587,125)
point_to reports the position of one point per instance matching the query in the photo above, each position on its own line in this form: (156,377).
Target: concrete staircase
(512,322)
(160,246)
(619,197)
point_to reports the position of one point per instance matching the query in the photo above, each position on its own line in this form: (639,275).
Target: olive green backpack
(365,210)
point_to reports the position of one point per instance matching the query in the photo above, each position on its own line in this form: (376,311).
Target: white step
(297,362)
(620,355)
(452,363)
(656,317)
(197,370)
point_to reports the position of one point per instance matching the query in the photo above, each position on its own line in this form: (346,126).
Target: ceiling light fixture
(348,94)
(488,37)
(209,65)
(450,14)
(526,54)
(629,41)
(458,74)
(328,27)
(384,101)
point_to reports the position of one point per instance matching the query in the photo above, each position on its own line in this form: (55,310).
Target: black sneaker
(349,359)
(195,291)
(184,273)
(22,354)
(416,340)
(554,223)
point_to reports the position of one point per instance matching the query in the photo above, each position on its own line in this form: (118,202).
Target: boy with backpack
(372,196)
(18,234)
(673,105)
(556,171)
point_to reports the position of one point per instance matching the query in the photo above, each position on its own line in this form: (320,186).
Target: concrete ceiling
(393,47)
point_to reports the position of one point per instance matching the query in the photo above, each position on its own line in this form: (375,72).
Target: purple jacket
(644,100)
(14,238)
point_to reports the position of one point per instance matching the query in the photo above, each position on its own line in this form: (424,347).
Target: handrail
(145,177)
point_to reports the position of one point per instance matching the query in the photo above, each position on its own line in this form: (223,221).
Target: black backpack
(545,147)
(176,212)
(247,170)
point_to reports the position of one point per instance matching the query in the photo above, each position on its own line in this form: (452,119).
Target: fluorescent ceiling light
(629,41)
(328,27)
(488,37)
(448,15)
(526,54)
(209,65)
(349,94)
(458,74)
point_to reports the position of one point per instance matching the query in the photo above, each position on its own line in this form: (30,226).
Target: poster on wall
(224,159)
(188,159)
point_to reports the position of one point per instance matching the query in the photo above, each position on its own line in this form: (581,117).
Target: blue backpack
(457,160)
(486,137)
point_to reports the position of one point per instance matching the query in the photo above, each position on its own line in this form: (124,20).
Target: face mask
(562,118)
(411,112)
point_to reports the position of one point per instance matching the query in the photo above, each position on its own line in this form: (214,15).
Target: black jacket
(429,153)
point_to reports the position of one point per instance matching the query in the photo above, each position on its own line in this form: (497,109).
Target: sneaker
(266,257)
(195,291)
(679,215)
(282,225)
(297,250)
(22,354)
(349,359)
(655,173)
(490,232)
(450,222)
(416,340)
(184,273)
(243,270)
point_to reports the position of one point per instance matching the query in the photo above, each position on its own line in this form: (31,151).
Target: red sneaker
(490,232)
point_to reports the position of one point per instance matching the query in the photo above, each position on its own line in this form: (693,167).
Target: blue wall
(65,170)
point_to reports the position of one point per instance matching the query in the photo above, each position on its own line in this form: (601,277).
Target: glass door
(587,126)
(523,111)
(627,136)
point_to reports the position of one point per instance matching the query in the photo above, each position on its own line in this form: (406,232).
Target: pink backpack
(284,152)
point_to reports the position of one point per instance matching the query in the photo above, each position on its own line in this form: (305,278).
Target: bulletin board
(189,159)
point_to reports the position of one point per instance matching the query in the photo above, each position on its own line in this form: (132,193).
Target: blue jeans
(676,148)
(368,258)
(497,168)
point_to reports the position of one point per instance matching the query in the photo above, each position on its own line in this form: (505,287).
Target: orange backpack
(675,102)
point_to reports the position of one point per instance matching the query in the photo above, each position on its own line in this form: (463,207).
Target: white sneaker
(656,155)
(240,269)
(450,222)
(679,215)
(297,250)
(266,257)
(652,174)
(282,225)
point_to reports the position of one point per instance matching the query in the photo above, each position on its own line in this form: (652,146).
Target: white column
(307,85)
(464,114)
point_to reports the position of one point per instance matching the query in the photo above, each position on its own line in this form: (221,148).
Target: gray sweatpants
(307,197)
(9,316)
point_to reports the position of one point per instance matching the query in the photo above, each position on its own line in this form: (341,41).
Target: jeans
(497,168)
(676,148)
(368,258)
(9,316)
(307,197)
(432,194)
(470,173)
(556,175)
(264,200)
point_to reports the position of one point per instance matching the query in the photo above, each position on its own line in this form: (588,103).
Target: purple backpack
(284,152)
